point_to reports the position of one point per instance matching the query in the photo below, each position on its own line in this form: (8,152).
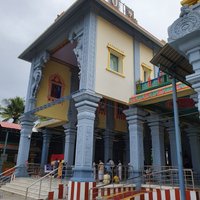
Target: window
(115,60)
(147,72)
(56,87)
(114,63)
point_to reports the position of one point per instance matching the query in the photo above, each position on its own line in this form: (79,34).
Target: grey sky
(22,21)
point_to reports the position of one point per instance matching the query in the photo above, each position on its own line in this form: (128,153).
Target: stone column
(193,79)
(45,147)
(70,138)
(108,134)
(184,36)
(27,120)
(126,150)
(27,123)
(157,134)
(135,117)
(172,141)
(86,104)
(108,145)
(194,140)
(70,127)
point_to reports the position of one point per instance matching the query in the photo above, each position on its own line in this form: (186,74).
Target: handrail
(8,170)
(39,180)
(145,176)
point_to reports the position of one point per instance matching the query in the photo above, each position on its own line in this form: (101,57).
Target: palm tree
(13,108)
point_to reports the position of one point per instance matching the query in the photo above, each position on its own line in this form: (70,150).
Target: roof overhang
(173,63)
(56,33)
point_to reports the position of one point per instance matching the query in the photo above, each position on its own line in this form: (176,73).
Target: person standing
(100,171)
(119,169)
(94,170)
(60,167)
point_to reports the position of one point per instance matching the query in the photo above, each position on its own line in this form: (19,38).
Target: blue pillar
(45,147)
(172,141)
(194,140)
(86,104)
(178,141)
(157,134)
(27,123)
(135,118)
(70,138)
(126,149)
(108,145)
(109,134)
(70,127)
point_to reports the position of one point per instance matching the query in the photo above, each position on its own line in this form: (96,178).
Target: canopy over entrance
(173,63)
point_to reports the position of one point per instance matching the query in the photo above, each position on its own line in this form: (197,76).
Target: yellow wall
(146,54)
(110,84)
(57,111)
(120,125)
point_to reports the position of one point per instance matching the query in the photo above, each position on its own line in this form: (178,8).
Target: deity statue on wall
(37,75)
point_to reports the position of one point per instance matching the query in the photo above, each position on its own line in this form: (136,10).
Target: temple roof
(53,33)
(10,125)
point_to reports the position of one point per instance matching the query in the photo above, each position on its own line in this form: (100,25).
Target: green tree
(12,108)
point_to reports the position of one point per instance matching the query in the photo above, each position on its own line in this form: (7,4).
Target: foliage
(12,108)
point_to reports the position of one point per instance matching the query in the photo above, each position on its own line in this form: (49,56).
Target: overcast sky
(22,21)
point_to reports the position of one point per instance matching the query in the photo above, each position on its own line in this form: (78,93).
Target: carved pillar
(70,127)
(108,145)
(157,134)
(126,149)
(27,120)
(70,138)
(184,36)
(86,104)
(35,77)
(108,134)
(135,118)
(172,141)
(194,140)
(27,123)
(84,34)
(45,147)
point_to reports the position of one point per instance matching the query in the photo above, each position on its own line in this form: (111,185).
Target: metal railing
(169,177)
(48,176)
(158,82)
(48,181)
(123,172)
(7,175)
(156,179)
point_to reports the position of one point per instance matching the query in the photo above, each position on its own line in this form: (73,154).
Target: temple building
(93,85)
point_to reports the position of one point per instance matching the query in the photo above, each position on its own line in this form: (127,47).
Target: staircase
(31,187)
(18,189)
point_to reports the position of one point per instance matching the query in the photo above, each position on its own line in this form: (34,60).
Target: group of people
(108,172)
(60,165)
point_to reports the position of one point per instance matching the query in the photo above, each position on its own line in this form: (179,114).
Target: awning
(173,63)
(10,125)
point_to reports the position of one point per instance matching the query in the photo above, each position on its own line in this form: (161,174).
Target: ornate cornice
(188,22)
(40,59)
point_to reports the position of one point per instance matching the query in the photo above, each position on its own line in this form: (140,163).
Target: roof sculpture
(189,2)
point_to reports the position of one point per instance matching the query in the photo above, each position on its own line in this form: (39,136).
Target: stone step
(21,194)
(23,189)
(37,185)
(19,185)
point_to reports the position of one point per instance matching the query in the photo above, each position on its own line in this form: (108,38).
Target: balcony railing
(153,84)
